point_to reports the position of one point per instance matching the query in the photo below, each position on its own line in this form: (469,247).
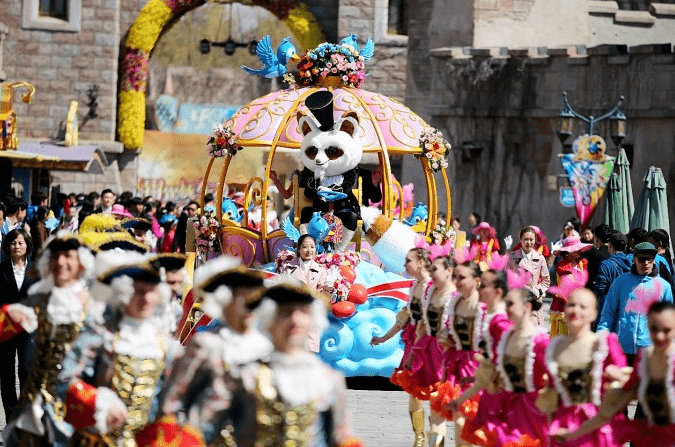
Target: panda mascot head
(329,148)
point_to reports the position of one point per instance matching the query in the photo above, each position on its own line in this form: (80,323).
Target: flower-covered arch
(147,28)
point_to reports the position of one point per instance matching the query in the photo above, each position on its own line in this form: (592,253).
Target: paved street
(380,418)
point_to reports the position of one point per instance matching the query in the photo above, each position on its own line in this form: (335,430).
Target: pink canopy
(271,120)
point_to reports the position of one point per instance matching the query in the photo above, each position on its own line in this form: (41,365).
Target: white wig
(214,302)
(85,256)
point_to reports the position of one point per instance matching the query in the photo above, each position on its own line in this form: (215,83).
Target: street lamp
(229,46)
(567,114)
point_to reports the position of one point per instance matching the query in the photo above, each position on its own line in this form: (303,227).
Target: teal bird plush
(275,65)
(367,50)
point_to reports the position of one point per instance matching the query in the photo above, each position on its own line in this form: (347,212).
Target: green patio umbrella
(620,205)
(651,211)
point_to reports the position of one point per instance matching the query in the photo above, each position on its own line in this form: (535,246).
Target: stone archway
(144,33)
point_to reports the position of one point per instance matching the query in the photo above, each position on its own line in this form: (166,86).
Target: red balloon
(348,273)
(358,294)
(344,309)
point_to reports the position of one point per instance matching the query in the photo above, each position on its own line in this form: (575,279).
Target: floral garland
(143,35)
(434,148)
(328,59)
(206,231)
(223,141)
(439,235)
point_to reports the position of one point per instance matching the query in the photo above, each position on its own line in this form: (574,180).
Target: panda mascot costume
(330,152)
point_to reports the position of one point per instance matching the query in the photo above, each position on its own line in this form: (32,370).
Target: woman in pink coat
(304,268)
(530,260)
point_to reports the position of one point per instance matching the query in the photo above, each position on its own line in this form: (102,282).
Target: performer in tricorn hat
(112,375)
(56,307)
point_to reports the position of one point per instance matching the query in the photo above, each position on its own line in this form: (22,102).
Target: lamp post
(617,120)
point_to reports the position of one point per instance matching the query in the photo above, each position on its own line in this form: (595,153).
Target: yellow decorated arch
(145,32)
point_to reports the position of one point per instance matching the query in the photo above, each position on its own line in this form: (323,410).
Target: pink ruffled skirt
(426,361)
(458,365)
(408,338)
(640,433)
(572,417)
(513,416)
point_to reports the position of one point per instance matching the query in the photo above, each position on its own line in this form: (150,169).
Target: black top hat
(137,223)
(320,103)
(138,272)
(65,243)
(171,262)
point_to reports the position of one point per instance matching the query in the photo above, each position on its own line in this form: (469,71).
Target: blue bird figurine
(367,50)
(318,228)
(275,66)
(418,214)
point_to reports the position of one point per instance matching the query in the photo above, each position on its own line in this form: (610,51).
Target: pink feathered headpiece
(498,262)
(435,250)
(517,279)
(645,297)
(576,280)
(463,255)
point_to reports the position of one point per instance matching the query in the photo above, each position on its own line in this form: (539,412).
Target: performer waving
(417,265)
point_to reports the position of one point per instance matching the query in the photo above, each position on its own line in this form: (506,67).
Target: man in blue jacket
(616,265)
(623,311)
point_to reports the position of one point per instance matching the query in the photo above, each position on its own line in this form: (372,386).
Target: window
(54,8)
(398,17)
(52,15)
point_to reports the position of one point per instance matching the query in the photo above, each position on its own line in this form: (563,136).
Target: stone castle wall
(507,103)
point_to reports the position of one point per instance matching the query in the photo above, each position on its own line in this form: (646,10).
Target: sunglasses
(644,258)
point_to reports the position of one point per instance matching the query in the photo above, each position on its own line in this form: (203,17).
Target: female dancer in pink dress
(576,364)
(461,334)
(417,265)
(513,418)
(652,380)
(426,358)
(493,289)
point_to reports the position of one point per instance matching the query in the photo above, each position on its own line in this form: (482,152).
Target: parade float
(369,286)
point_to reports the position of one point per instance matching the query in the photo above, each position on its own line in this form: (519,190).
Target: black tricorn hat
(65,243)
(123,241)
(137,223)
(320,103)
(138,272)
(289,293)
(236,277)
(171,262)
